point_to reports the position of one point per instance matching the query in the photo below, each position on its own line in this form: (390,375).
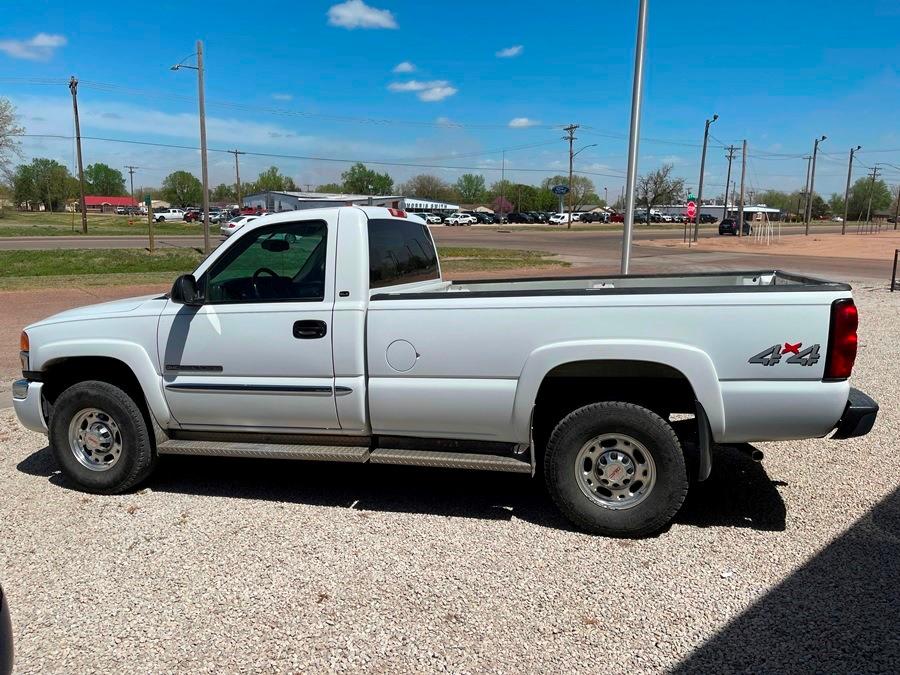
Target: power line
(175,146)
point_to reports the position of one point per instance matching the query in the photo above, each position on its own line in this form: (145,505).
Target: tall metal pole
(203,160)
(897,208)
(73,87)
(502,183)
(871,190)
(806,187)
(812,181)
(740,223)
(729,157)
(570,136)
(637,91)
(702,168)
(237,175)
(847,189)
(606,195)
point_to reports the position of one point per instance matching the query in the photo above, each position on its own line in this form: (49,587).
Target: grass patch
(106,267)
(39,224)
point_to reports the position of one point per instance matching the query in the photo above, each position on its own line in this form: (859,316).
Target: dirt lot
(833,245)
(237,566)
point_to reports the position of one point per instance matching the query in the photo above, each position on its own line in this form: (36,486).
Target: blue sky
(316,79)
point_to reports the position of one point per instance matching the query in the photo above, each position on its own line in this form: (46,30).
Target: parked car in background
(163,215)
(433,219)
(559,219)
(538,216)
(231,226)
(595,217)
(839,219)
(518,217)
(460,219)
(120,210)
(729,226)
(193,215)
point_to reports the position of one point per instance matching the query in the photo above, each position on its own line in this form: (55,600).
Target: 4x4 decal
(772,355)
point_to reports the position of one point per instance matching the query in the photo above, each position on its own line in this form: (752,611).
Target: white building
(295,201)
(416,204)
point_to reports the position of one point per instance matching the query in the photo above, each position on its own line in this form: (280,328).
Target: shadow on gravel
(739,493)
(839,613)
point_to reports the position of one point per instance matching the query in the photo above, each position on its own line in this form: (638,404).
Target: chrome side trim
(308,390)
(342,391)
(185,368)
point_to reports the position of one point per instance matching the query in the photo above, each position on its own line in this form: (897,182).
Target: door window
(400,252)
(279,263)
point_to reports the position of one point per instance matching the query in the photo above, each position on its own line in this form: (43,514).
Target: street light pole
(847,189)
(812,181)
(204,170)
(700,186)
(637,92)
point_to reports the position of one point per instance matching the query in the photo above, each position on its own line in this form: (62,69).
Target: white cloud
(430,91)
(510,52)
(522,122)
(447,123)
(38,48)
(405,67)
(437,93)
(357,14)
(283,97)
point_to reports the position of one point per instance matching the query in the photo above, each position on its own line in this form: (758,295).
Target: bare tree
(9,144)
(659,187)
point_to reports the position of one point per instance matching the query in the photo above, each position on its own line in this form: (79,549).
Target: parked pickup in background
(331,335)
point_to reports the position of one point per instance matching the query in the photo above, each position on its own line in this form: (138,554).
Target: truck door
(257,355)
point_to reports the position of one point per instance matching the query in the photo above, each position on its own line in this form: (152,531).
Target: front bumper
(859,416)
(28,405)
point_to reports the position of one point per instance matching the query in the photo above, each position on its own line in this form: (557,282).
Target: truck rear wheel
(616,469)
(100,438)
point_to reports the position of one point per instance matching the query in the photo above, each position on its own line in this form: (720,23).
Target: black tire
(161,219)
(138,454)
(666,495)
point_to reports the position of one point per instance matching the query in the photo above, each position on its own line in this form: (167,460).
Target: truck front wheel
(616,469)
(100,438)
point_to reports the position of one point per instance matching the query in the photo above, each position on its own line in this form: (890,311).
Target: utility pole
(502,183)
(237,174)
(73,87)
(570,136)
(805,192)
(203,164)
(131,170)
(812,181)
(700,185)
(730,156)
(741,202)
(897,208)
(871,190)
(847,189)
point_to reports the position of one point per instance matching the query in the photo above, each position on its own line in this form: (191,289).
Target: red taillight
(842,340)
(397,213)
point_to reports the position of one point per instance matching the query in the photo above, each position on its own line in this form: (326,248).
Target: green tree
(778,199)
(43,182)
(836,204)
(659,187)
(223,193)
(182,188)
(9,142)
(101,179)
(360,180)
(335,188)
(426,186)
(860,193)
(471,188)
(272,180)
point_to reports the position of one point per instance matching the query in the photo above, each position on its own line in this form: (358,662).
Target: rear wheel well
(655,386)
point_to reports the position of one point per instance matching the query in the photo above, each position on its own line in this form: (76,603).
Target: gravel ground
(252,566)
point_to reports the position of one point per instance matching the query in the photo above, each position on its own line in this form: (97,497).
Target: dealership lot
(227,565)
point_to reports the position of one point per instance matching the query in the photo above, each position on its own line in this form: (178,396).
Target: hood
(102,309)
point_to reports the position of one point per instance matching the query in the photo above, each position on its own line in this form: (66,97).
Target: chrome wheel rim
(95,439)
(615,471)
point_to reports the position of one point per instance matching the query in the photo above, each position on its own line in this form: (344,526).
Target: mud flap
(704,438)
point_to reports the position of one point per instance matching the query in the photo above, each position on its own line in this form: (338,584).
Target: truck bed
(703,282)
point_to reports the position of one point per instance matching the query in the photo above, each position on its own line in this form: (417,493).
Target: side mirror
(184,291)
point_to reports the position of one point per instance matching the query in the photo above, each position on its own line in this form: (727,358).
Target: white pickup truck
(331,335)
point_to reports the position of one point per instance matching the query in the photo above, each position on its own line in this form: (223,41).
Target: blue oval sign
(559,189)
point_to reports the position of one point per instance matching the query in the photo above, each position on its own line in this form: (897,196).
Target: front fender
(691,362)
(131,354)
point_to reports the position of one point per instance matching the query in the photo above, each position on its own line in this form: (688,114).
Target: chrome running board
(320,453)
(449,460)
